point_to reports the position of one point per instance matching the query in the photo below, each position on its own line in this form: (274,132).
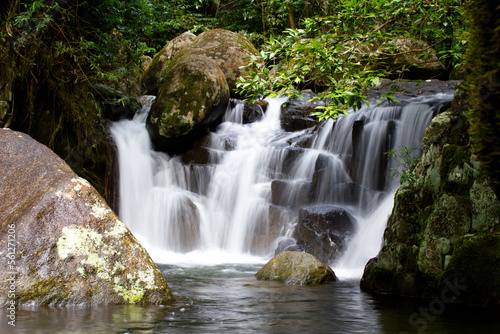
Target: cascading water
(244,200)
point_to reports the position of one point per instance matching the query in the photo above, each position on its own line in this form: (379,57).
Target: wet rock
(192,99)
(296,268)
(70,247)
(197,155)
(290,193)
(351,194)
(360,151)
(323,231)
(296,113)
(253,112)
(303,140)
(286,244)
(290,159)
(182,230)
(329,172)
(403,89)
(269,226)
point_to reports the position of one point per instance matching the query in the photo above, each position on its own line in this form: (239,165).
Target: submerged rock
(296,268)
(61,244)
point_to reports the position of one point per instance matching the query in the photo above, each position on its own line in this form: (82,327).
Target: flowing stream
(227,209)
(212,224)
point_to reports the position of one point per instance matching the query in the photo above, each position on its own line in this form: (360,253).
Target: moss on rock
(444,224)
(296,268)
(192,98)
(228,49)
(475,265)
(151,76)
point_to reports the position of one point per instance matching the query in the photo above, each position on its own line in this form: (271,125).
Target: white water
(220,212)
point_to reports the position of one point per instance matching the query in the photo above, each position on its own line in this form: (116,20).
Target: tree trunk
(290,15)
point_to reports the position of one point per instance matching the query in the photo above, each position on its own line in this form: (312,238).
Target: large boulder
(192,98)
(323,231)
(151,75)
(228,49)
(60,242)
(417,57)
(296,268)
(443,232)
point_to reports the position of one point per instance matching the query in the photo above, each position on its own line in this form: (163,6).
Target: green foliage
(405,158)
(344,54)
(91,39)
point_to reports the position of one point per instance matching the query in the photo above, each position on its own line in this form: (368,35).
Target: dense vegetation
(52,50)
(92,38)
(346,52)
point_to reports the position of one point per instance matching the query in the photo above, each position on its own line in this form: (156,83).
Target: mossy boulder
(296,268)
(192,98)
(417,57)
(444,226)
(60,244)
(228,49)
(152,73)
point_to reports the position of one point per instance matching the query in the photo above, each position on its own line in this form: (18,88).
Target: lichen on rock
(71,247)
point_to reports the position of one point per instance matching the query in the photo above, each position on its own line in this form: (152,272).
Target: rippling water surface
(228,299)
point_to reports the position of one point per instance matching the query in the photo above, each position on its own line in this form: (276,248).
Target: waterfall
(242,202)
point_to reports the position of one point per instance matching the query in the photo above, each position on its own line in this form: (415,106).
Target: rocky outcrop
(323,231)
(115,104)
(296,268)
(444,228)
(192,99)
(151,76)
(228,49)
(60,243)
(403,89)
